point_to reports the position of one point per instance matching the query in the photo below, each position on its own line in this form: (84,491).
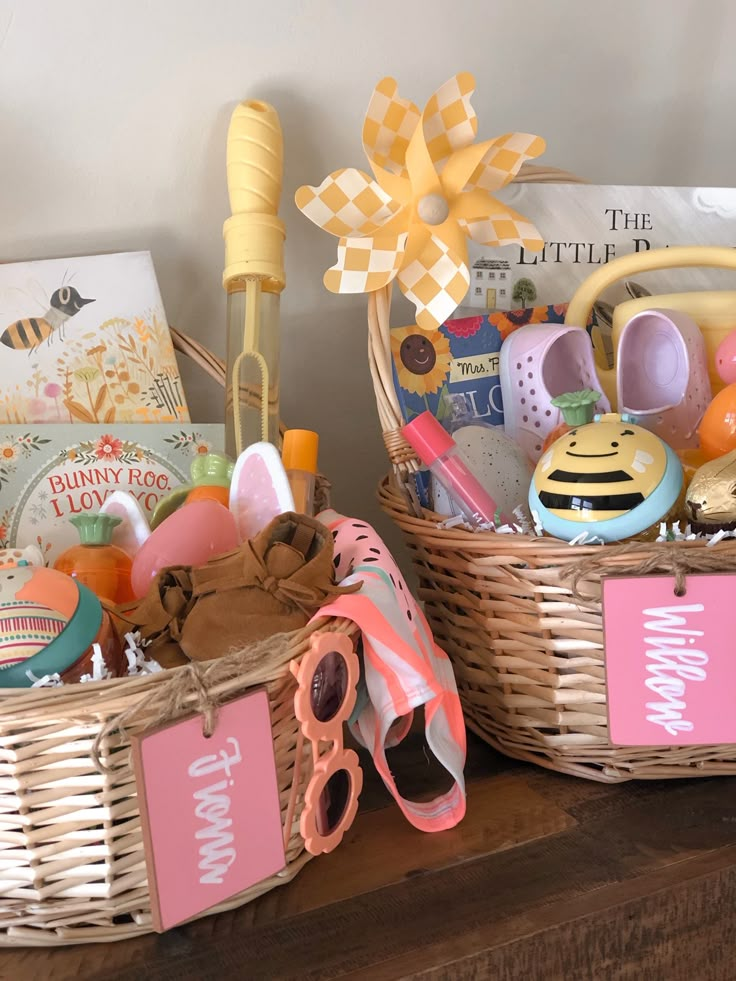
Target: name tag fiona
(209,809)
(670,660)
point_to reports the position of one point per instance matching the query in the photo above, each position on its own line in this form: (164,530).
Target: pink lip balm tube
(439,451)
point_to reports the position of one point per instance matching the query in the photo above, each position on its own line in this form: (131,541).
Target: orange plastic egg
(554,435)
(209,492)
(692,460)
(717,429)
(578,409)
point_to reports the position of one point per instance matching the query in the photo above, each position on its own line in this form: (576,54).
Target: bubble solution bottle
(253,276)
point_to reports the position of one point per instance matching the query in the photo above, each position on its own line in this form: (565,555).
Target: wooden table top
(548,877)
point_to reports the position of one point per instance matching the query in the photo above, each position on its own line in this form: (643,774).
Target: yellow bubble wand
(254,241)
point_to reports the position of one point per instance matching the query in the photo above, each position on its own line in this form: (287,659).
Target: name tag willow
(209,809)
(670,660)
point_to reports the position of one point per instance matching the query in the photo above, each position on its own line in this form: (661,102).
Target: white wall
(113,118)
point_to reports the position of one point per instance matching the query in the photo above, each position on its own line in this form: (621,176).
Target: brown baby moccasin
(160,614)
(271,584)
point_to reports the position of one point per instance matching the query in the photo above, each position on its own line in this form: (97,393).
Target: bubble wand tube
(253,276)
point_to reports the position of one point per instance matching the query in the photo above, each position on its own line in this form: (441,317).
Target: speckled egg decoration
(35,607)
(259,490)
(498,462)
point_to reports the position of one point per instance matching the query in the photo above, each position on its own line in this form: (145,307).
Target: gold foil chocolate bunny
(711,496)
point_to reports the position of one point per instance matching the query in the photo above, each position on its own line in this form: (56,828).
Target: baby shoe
(662,375)
(273,583)
(537,363)
(160,615)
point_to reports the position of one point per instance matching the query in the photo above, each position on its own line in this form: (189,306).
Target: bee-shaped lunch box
(609,478)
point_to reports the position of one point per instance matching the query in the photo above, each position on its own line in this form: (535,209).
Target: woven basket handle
(379,342)
(199,354)
(681,256)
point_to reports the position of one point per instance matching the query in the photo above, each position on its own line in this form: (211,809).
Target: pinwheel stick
(380,361)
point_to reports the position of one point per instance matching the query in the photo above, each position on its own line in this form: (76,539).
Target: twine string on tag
(192,688)
(664,558)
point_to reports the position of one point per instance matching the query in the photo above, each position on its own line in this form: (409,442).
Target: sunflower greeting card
(86,340)
(49,474)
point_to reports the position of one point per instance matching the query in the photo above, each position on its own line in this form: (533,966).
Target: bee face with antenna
(611,478)
(68,301)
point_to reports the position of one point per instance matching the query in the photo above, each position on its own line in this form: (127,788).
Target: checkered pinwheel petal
(435,282)
(348,203)
(383,232)
(502,160)
(388,127)
(365,264)
(502,226)
(449,120)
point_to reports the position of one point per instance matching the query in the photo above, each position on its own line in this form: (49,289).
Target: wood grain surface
(549,878)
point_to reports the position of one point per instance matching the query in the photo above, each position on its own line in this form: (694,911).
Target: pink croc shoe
(539,362)
(662,375)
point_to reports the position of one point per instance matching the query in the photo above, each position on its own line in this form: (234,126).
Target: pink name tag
(670,660)
(209,809)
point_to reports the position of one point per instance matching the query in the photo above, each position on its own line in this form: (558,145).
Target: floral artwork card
(48,474)
(86,340)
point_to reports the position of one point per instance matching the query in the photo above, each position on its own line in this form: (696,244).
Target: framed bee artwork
(86,340)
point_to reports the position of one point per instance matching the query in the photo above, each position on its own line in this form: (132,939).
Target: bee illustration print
(610,478)
(28,333)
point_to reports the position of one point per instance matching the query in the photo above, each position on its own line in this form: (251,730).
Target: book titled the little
(86,340)
(586,226)
(48,474)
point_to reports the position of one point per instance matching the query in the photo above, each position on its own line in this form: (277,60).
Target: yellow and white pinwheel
(431,191)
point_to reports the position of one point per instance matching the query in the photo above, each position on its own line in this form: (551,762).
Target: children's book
(48,474)
(585,226)
(85,340)
(453,371)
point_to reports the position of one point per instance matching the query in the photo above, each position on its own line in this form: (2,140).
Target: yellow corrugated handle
(255,159)
(679,256)
(254,235)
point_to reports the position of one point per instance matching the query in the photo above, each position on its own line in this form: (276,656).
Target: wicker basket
(528,655)
(71,849)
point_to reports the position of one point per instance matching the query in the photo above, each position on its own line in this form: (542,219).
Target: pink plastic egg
(189,536)
(726,358)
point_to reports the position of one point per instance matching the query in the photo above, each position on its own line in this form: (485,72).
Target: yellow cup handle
(587,293)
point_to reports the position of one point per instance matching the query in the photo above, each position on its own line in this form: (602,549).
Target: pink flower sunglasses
(327,677)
